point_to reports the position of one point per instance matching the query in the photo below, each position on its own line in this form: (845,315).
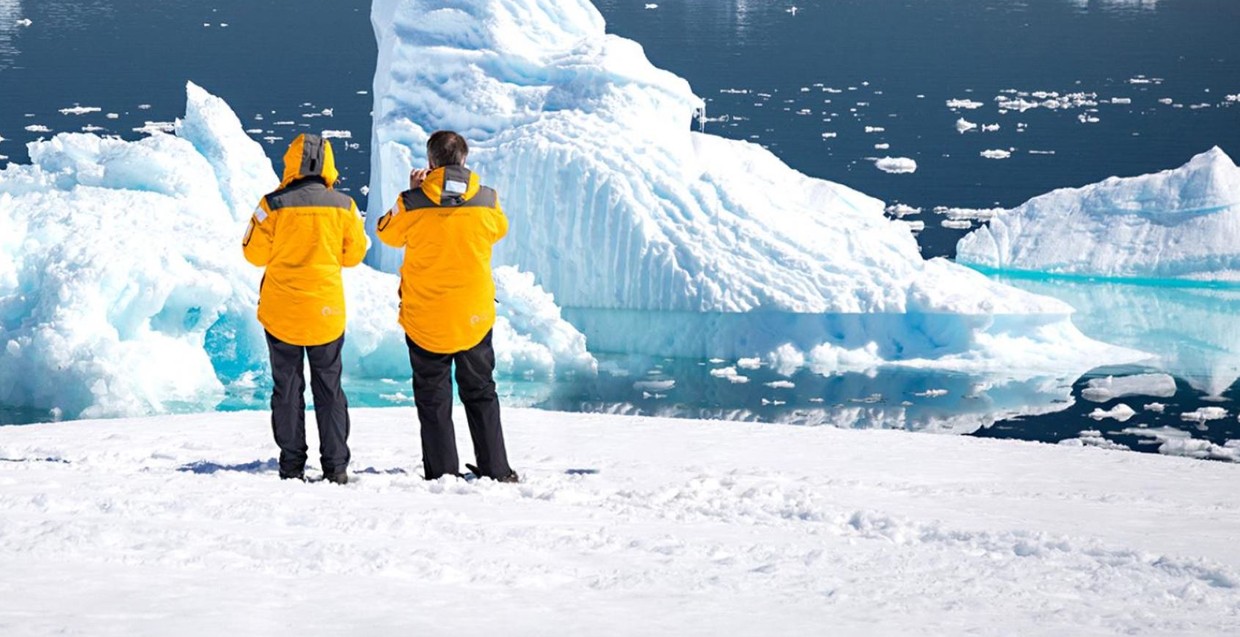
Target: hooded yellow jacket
(304,233)
(447,228)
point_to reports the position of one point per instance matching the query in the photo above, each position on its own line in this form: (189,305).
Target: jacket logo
(331,311)
(475,319)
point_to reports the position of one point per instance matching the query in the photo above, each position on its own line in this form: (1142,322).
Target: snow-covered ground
(623,526)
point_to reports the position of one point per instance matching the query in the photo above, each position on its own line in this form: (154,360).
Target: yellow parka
(447,228)
(304,233)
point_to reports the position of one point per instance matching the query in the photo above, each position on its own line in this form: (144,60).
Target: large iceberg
(1176,224)
(123,290)
(660,240)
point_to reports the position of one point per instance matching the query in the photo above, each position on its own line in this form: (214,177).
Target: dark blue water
(776,78)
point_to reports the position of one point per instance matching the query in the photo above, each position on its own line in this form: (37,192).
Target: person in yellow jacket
(447,223)
(303,234)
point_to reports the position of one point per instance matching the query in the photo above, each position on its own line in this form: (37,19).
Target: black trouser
(288,404)
(432,393)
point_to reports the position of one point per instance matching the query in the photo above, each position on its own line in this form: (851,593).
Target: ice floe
(1182,223)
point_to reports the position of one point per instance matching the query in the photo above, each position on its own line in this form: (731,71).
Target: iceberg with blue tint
(659,240)
(1176,224)
(123,290)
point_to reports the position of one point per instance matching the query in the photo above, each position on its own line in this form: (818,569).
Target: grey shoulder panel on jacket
(308,195)
(486,197)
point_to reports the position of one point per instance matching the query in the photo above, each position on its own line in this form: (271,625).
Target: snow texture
(621,211)
(123,289)
(179,526)
(1176,224)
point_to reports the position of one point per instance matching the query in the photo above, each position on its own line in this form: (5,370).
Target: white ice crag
(1182,223)
(660,240)
(123,289)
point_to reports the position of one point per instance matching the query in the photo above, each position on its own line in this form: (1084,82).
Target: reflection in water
(10,13)
(887,398)
(1193,330)
(1115,6)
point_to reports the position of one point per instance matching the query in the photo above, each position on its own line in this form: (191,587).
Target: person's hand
(417,176)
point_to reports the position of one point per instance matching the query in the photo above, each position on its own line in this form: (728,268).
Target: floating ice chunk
(896,165)
(957,224)
(144,107)
(113,116)
(1121,100)
(38,128)
(781,384)
(730,374)
(1086,118)
(964,103)
(829,135)
(875,129)
(91,128)
(1120,412)
(883,146)
(1101,390)
(284,123)
(254,131)
(977,214)
(1204,414)
(1182,223)
(963,125)
(3,139)
(1166,100)
(931,393)
(786,359)
(655,385)
(899,210)
(24,22)
(989,128)
(1176,442)
(337,134)
(1157,408)
(1232,98)
(150,128)
(652,5)
(365,190)
(997,153)
(80,110)
(1092,438)
(1041,152)
(749,363)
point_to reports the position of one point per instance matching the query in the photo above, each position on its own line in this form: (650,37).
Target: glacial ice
(123,290)
(657,239)
(1176,224)
(1190,331)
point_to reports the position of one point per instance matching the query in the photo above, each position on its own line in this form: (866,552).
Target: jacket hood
(310,156)
(451,185)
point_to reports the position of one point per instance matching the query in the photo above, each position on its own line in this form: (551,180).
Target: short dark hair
(446,148)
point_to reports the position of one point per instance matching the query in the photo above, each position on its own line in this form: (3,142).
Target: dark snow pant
(432,393)
(288,404)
